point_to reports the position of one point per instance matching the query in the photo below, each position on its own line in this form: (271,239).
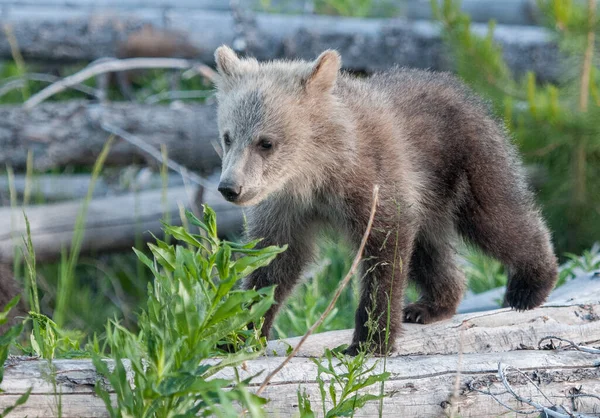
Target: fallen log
(420,386)
(422,381)
(67,133)
(570,313)
(112,223)
(52,188)
(365,44)
(511,12)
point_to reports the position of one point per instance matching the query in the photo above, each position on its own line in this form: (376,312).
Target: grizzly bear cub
(304,146)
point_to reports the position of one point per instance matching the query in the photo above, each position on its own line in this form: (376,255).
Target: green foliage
(359,8)
(483,273)
(193,311)
(312,297)
(67,271)
(47,339)
(588,262)
(6,340)
(342,381)
(304,406)
(558,137)
(349,8)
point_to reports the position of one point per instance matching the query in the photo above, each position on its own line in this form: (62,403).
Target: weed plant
(192,312)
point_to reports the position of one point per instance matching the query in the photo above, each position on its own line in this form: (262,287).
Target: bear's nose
(230,191)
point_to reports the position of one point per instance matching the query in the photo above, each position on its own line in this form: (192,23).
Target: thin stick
(538,407)
(19,81)
(109,66)
(178,95)
(584,349)
(156,154)
(338,292)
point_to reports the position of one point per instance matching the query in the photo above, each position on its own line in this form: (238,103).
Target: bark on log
(66,133)
(511,12)
(112,223)
(365,44)
(419,385)
(51,188)
(423,372)
(576,318)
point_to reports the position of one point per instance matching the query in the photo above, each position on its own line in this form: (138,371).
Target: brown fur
(445,167)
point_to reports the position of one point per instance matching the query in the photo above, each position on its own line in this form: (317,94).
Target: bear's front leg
(386,257)
(279,225)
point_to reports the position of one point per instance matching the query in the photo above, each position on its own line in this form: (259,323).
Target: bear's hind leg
(433,268)
(510,229)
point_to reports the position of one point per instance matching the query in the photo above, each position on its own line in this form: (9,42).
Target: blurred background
(107,128)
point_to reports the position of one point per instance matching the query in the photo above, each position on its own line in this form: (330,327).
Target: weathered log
(423,371)
(491,299)
(511,12)
(112,223)
(574,316)
(365,44)
(75,186)
(69,133)
(419,385)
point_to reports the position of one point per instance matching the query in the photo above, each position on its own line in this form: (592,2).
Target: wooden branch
(66,133)
(103,67)
(112,222)
(365,44)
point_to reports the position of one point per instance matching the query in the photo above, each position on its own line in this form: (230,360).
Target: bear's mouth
(246,198)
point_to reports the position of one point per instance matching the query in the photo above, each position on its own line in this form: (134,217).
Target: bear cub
(304,145)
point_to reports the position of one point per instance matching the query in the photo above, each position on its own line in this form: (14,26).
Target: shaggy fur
(304,146)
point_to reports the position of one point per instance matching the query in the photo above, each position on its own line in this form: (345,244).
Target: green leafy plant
(193,313)
(359,8)
(342,381)
(576,265)
(312,297)
(6,340)
(69,263)
(483,273)
(47,338)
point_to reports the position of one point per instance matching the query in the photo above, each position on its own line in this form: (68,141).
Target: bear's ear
(228,63)
(324,72)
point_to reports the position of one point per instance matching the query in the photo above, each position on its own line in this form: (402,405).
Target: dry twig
(178,95)
(110,66)
(14,83)
(555,411)
(584,349)
(156,154)
(337,294)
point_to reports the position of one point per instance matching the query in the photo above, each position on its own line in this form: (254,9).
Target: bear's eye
(265,144)
(226,139)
